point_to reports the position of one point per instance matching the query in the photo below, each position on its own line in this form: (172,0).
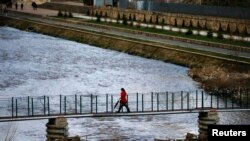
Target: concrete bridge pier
(205,119)
(57,130)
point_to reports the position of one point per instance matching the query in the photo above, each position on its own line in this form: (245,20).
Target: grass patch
(178,34)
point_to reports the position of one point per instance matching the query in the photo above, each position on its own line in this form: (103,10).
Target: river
(35,65)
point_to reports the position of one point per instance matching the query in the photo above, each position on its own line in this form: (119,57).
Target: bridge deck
(74,106)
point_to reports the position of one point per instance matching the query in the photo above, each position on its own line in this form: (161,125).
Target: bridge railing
(137,102)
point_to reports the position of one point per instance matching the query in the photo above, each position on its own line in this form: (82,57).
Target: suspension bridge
(155,103)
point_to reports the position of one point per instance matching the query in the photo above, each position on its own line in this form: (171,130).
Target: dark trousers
(121,105)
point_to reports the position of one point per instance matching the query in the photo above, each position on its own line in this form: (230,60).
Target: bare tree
(10,135)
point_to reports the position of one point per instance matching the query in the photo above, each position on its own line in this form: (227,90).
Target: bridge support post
(205,119)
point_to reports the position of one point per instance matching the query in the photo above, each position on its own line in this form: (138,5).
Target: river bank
(212,73)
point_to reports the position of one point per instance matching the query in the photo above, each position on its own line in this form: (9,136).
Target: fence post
(60,104)
(137,102)
(75,103)
(32,106)
(188,100)
(16,108)
(172,101)
(48,107)
(142,103)
(44,105)
(12,105)
(166,100)
(65,105)
(152,102)
(181,100)
(28,105)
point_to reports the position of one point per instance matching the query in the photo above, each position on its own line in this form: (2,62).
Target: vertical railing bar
(76,104)
(247,97)
(96,104)
(196,99)
(32,106)
(137,102)
(28,105)
(226,102)
(91,102)
(112,108)
(44,105)
(152,102)
(16,108)
(202,100)
(166,100)
(172,101)
(181,100)
(60,104)
(157,101)
(65,105)
(211,100)
(107,103)
(80,104)
(188,101)
(48,106)
(142,97)
(232,99)
(240,98)
(12,103)
(217,101)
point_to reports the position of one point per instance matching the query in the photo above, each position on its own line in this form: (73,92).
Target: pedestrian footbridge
(102,105)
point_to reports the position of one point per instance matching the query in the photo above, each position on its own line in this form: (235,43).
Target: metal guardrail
(31,106)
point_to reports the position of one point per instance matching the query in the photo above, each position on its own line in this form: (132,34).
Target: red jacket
(123,98)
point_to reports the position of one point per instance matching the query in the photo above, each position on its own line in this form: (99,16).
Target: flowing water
(35,65)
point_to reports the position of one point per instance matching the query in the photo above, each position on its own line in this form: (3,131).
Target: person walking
(123,100)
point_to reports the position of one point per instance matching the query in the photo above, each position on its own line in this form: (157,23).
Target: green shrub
(70,15)
(144,19)
(65,14)
(189,32)
(98,17)
(209,34)
(88,13)
(124,20)
(134,18)
(60,14)
(219,36)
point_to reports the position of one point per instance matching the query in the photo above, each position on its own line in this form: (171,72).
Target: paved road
(121,33)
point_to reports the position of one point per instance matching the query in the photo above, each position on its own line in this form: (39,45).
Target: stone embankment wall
(216,24)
